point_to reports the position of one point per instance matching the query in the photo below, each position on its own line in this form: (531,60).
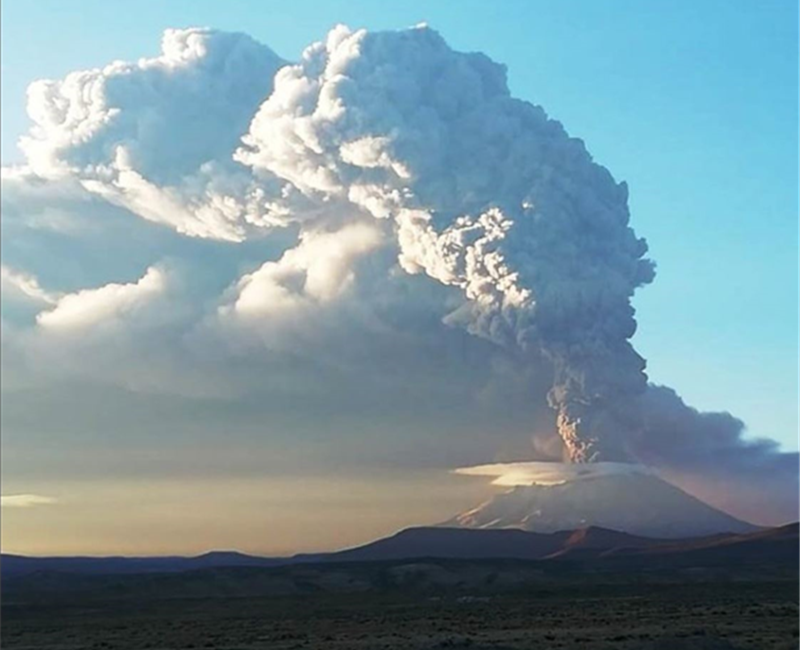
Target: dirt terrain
(620,612)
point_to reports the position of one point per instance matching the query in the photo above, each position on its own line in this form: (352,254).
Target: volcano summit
(551,497)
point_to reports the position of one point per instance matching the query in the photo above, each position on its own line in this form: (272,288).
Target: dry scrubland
(719,614)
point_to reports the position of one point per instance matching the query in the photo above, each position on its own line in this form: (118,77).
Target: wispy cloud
(25,284)
(25,500)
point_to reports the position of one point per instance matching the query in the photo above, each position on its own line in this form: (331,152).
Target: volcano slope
(639,504)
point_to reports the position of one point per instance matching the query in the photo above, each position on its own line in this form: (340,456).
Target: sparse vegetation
(606,612)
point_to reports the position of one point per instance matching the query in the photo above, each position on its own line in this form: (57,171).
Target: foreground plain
(423,604)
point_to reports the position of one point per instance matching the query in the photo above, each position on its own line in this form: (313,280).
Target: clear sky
(693,104)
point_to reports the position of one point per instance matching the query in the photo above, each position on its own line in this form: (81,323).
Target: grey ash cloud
(417,206)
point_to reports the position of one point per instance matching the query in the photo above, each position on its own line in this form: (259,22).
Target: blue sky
(693,104)
(298,376)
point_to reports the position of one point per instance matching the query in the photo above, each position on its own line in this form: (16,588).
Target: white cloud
(105,304)
(319,269)
(142,135)
(548,473)
(25,500)
(24,285)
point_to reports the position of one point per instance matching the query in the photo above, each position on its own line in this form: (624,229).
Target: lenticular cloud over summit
(549,473)
(399,193)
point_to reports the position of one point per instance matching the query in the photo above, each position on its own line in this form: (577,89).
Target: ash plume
(486,194)
(373,144)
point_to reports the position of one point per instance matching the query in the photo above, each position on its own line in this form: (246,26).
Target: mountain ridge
(591,544)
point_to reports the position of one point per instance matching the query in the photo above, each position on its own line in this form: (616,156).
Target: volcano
(639,504)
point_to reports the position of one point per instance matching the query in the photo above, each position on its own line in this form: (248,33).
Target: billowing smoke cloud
(710,454)
(487,194)
(403,171)
(155,136)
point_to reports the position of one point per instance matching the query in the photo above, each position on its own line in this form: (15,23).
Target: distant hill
(424,560)
(16,565)
(463,543)
(593,547)
(779,545)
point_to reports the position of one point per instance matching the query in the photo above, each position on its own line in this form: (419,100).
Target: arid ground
(421,611)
